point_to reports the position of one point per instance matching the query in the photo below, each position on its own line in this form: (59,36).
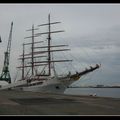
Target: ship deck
(35,103)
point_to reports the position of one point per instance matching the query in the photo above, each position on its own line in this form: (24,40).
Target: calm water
(103,92)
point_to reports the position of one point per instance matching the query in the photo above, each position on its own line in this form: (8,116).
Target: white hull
(50,86)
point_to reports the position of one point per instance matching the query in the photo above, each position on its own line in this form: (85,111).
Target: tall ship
(38,66)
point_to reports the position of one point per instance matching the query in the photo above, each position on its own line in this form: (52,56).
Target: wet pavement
(35,103)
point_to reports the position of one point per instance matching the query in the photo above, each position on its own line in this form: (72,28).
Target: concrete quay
(14,102)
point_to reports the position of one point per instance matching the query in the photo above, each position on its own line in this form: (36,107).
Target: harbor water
(102,92)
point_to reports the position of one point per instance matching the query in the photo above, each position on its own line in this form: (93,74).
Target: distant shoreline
(93,87)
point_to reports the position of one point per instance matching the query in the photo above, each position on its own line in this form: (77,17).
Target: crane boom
(5,76)
(9,40)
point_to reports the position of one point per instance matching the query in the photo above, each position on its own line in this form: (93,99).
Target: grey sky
(91,30)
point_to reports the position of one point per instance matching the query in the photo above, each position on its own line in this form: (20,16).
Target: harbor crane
(5,76)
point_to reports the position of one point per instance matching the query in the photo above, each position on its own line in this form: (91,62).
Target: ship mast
(49,38)
(32,49)
(49,44)
(48,50)
(23,63)
(32,55)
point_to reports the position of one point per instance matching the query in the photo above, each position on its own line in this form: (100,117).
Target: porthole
(57,87)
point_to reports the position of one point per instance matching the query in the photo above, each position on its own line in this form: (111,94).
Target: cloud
(104,48)
(92,31)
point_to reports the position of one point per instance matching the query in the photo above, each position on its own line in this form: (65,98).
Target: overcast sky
(91,30)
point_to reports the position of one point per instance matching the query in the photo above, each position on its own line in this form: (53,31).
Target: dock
(14,102)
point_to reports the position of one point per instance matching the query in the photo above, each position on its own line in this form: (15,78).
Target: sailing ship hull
(48,86)
(51,88)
